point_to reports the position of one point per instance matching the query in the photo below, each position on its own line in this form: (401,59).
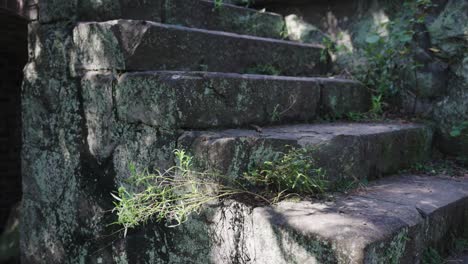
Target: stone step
(191,13)
(129,45)
(351,151)
(200,100)
(393,220)
(204,14)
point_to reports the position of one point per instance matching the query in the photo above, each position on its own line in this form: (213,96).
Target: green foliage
(388,56)
(275,115)
(431,256)
(294,172)
(170,196)
(377,105)
(218,4)
(329,47)
(173,195)
(458,129)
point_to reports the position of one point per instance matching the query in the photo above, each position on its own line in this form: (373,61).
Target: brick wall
(13,56)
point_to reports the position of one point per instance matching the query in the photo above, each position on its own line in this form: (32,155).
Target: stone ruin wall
(68,168)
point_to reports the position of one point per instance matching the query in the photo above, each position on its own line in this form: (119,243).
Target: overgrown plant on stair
(173,195)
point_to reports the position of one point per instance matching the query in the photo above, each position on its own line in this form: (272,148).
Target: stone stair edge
(202,74)
(412,217)
(344,150)
(233,5)
(114,22)
(348,228)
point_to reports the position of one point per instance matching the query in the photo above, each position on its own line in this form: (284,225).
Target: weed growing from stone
(294,172)
(173,195)
(218,4)
(170,196)
(277,113)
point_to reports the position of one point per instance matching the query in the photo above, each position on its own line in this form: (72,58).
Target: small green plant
(458,129)
(218,4)
(329,47)
(377,105)
(275,115)
(295,172)
(169,196)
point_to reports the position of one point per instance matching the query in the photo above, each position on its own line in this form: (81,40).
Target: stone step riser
(127,45)
(174,100)
(343,151)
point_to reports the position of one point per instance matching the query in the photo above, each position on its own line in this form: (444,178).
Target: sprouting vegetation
(457,131)
(218,4)
(171,196)
(295,172)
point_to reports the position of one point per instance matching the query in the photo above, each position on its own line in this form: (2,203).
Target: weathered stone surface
(229,18)
(203,100)
(458,259)
(360,228)
(196,14)
(449,31)
(51,148)
(111,138)
(300,30)
(436,90)
(145,148)
(97,92)
(353,151)
(138,45)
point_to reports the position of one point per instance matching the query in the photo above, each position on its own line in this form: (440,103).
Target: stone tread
(391,221)
(200,100)
(130,45)
(196,14)
(343,150)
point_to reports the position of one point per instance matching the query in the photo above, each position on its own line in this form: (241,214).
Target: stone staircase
(195,67)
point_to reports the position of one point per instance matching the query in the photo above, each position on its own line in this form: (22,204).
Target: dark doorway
(13,57)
